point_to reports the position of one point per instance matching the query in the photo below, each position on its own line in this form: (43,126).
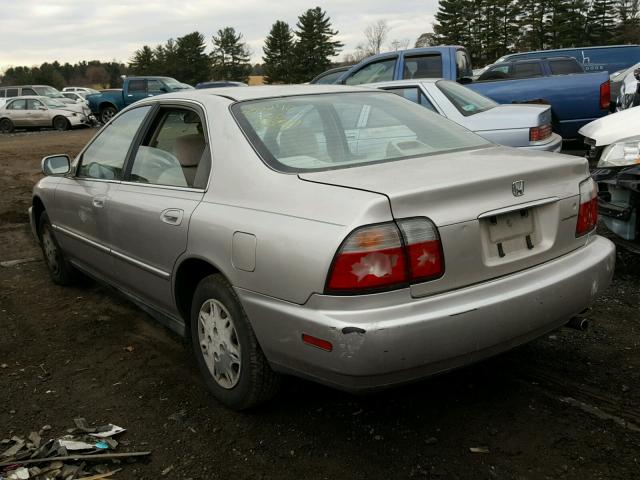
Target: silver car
(340,234)
(522,126)
(34,111)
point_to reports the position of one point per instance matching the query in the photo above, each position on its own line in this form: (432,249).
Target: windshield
(465,100)
(51,103)
(48,92)
(328,131)
(173,84)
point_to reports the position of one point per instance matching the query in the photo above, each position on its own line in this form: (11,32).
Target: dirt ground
(566,406)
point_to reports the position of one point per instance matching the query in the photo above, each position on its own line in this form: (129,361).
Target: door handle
(98,202)
(172,216)
(130,95)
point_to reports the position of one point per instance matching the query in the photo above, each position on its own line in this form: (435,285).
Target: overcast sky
(32,32)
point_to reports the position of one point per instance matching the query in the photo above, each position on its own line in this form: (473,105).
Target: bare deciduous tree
(376,34)
(396,44)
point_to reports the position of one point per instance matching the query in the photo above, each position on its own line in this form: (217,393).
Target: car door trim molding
(138,263)
(115,253)
(82,238)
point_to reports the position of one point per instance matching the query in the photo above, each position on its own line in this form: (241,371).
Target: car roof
(27,97)
(265,91)
(400,83)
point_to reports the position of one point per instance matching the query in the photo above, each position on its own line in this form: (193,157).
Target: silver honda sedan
(339,234)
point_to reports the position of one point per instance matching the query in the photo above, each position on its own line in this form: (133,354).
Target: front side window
(329,78)
(28,91)
(423,66)
(33,104)
(17,105)
(155,86)
(338,130)
(374,72)
(466,101)
(12,92)
(173,152)
(105,157)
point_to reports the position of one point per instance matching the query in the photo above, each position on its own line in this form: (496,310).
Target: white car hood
(609,129)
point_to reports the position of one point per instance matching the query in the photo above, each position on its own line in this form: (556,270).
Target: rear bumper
(385,339)
(553,145)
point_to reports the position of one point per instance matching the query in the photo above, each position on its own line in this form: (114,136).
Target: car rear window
(329,131)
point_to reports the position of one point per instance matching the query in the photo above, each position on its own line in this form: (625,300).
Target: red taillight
(605,95)
(380,257)
(423,247)
(539,133)
(588,212)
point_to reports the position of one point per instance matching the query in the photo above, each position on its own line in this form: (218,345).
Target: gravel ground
(564,406)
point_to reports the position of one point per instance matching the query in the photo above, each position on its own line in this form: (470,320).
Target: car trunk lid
(498,210)
(510,117)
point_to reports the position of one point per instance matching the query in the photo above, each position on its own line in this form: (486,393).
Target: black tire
(257,382)
(6,125)
(60,270)
(61,124)
(107,113)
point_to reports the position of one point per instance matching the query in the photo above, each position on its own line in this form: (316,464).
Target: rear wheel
(60,270)
(6,125)
(61,124)
(227,351)
(107,113)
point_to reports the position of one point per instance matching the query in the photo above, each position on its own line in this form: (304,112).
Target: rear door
(136,90)
(151,209)
(19,114)
(80,212)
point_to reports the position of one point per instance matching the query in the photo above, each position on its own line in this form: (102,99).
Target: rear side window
(526,70)
(424,66)
(137,85)
(329,131)
(105,157)
(3,93)
(415,95)
(564,67)
(17,105)
(173,152)
(374,72)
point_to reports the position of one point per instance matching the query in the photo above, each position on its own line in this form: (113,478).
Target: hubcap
(108,115)
(219,343)
(50,250)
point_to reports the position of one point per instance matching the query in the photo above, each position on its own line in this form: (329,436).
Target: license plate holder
(508,226)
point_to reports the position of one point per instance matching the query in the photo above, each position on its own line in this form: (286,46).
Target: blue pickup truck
(106,104)
(575,99)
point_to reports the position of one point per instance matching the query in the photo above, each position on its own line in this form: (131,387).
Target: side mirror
(164,89)
(42,108)
(56,165)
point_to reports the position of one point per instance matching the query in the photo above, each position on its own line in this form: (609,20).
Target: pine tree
(279,54)
(230,56)
(602,22)
(142,62)
(628,28)
(193,64)
(315,45)
(451,25)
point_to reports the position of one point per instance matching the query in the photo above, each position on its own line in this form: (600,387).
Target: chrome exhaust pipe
(579,323)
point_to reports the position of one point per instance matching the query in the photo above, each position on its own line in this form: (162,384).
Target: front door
(81,211)
(150,210)
(40,116)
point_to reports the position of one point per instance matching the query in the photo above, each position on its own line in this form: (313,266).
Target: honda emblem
(517,188)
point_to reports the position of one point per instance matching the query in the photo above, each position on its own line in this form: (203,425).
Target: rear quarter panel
(298,225)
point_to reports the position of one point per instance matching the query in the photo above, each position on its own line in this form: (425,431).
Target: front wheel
(6,125)
(61,124)
(60,270)
(227,351)
(107,113)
